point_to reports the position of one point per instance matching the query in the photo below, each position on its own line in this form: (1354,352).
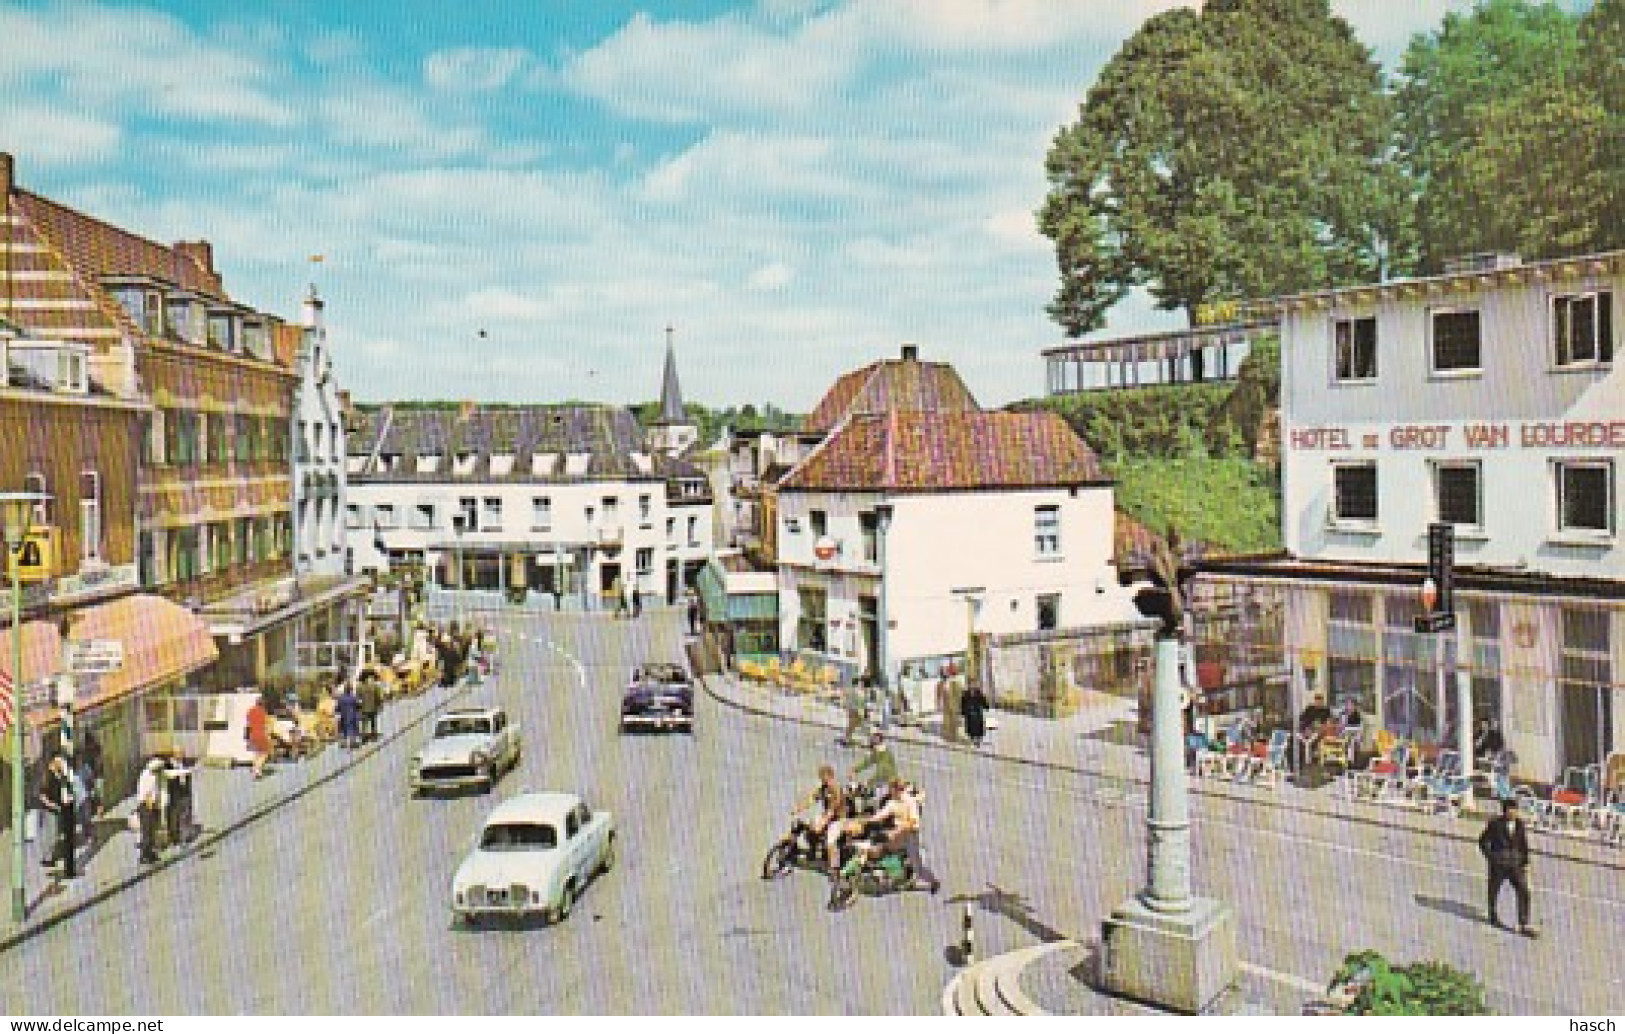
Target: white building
(1487,399)
(562,500)
(318,453)
(921,519)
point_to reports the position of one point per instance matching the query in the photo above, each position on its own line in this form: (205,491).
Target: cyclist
(901,816)
(880,760)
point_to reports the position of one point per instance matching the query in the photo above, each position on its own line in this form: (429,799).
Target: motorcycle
(870,874)
(798,849)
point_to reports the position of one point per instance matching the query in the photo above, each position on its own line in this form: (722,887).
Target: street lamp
(16,512)
(458,522)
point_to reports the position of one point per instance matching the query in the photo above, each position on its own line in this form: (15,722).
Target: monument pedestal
(1181,961)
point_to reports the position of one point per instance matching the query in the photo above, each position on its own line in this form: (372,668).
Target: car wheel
(567,902)
(608,861)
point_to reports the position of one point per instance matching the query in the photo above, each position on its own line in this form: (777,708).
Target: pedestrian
(880,763)
(691,603)
(349,717)
(974,705)
(178,805)
(637,602)
(149,809)
(90,770)
(623,599)
(56,795)
(1505,846)
(257,733)
(880,697)
(372,701)
(854,699)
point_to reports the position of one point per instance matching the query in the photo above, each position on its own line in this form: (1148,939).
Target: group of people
(963,708)
(163,806)
(69,789)
(893,828)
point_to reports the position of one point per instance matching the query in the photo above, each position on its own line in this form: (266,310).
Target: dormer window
(428,462)
(501,464)
(223,331)
(643,462)
(542,464)
(464,464)
(577,463)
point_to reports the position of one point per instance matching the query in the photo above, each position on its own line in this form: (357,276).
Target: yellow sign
(35,556)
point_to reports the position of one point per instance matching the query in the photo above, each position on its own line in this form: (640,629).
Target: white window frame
(645,510)
(644,561)
(1559,467)
(1335,512)
(1047,533)
(425,516)
(1352,323)
(491,513)
(693,530)
(354,516)
(90,516)
(1433,345)
(1603,330)
(1438,469)
(541,513)
(34,481)
(385,516)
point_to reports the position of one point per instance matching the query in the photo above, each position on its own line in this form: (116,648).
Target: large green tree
(1503,127)
(1229,153)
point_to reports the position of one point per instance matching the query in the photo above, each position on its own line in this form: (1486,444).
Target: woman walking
(974,705)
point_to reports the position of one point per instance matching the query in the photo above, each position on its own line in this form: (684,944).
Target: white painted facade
(937,543)
(318,454)
(1521,450)
(593,532)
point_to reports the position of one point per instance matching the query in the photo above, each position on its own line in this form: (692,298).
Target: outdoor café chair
(1574,799)
(1271,768)
(1445,790)
(1380,775)
(1339,749)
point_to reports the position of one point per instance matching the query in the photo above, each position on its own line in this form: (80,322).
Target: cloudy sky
(513,200)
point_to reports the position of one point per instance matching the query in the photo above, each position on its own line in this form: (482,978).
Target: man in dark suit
(1505,846)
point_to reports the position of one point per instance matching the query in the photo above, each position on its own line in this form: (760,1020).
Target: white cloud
(475,69)
(49,135)
(770,277)
(137,61)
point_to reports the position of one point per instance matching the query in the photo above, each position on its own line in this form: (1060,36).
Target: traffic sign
(1442,564)
(1438,621)
(95,656)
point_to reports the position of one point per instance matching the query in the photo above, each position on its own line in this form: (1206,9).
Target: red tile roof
(901,384)
(944,451)
(100,249)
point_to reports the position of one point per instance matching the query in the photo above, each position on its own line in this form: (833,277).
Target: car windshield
(519,836)
(463,725)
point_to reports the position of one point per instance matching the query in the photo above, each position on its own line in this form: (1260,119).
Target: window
(492,519)
(645,510)
(1585,496)
(1355,344)
(1049,612)
(817,523)
(352,516)
(645,561)
(1583,328)
(1047,530)
(90,516)
(541,513)
(1457,494)
(423,517)
(1354,487)
(671,529)
(467,513)
(810,631)
(384,516)
(155,439)
(1455,340)
(219,445)
(591,513)
(34,482)
(868,531)
(693,531)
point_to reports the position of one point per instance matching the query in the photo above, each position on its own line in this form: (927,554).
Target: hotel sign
(1533,434)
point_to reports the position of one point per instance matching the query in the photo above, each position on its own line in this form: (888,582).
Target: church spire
(671,394)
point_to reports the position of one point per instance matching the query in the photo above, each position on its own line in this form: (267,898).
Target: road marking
(381,913)
(581,670)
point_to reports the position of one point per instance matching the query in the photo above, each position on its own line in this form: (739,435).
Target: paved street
(337,903)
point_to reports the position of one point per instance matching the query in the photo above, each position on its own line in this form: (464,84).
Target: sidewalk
(226,799)
(1101,740)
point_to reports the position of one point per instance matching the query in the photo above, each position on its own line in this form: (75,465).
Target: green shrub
(1379,988)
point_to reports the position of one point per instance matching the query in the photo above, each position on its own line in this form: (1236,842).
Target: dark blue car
(660,696)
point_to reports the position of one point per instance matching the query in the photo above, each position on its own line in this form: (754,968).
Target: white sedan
(536,854)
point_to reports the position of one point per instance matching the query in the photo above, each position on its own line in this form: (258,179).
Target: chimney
(911,352)
(313,309)
(200,252)
(8,171)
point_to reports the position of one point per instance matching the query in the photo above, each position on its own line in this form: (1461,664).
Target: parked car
(659,696)
(535,855)
(472,747)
